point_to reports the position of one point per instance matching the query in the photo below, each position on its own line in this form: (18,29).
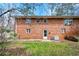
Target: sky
(43,9)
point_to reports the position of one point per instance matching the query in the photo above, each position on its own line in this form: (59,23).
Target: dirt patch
(14,52)
(75,46)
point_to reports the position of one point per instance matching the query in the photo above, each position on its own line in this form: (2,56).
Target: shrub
(12,35)
(71,38)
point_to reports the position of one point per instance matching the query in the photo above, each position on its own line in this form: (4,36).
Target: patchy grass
(74,46)
(37,48)
(48,49)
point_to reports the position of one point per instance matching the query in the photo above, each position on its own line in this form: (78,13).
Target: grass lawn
(49,48)
(36,48)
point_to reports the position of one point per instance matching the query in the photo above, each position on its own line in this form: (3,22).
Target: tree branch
(7,12)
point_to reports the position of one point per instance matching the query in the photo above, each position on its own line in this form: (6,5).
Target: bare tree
(27,9)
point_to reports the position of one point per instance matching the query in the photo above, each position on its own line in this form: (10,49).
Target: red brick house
(46,27)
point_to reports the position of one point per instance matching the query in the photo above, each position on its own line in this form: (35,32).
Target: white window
(63,30)
(28,31)
(39,20)
(68,22)
(28,21)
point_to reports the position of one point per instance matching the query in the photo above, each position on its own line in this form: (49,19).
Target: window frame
(28,21)
(38,20)
(63,30)
(28,31)
(45,20)
(68,22)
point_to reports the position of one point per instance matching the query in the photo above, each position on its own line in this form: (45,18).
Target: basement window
(68,22)
(28,21)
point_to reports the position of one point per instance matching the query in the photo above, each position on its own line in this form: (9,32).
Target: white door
(45,34)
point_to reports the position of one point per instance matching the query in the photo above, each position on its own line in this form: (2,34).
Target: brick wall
(53,26)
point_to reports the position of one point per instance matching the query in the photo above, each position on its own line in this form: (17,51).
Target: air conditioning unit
(56,38)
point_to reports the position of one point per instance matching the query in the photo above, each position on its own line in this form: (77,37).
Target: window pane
(38,20)
(45,20)
(68,22)
(28,30)
(28,21)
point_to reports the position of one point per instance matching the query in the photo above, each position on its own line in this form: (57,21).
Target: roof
(46,16)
